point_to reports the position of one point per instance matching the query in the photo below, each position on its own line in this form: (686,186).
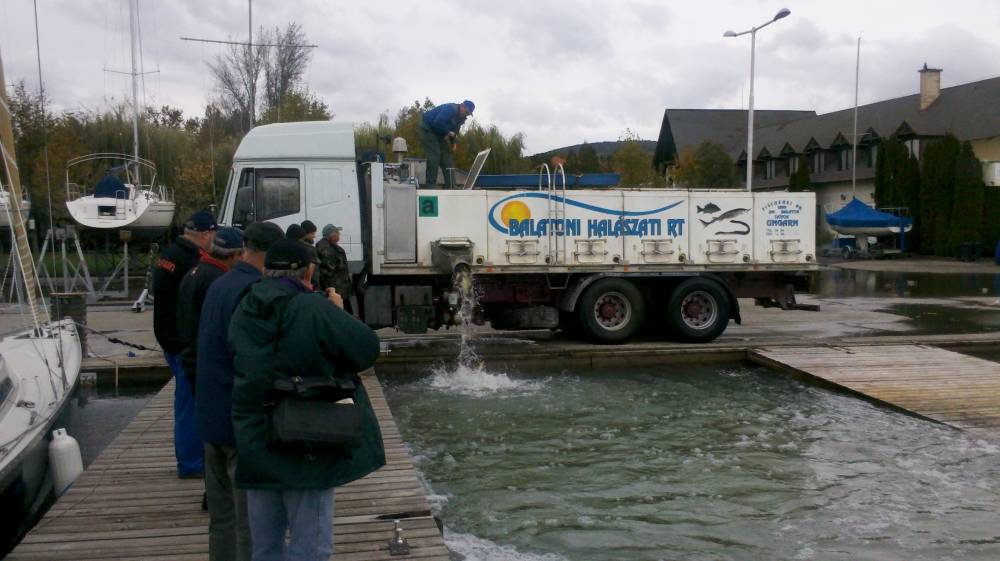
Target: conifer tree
(966,216)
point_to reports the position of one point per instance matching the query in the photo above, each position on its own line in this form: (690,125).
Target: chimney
(930,86)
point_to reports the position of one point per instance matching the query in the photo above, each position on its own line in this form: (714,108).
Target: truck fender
(569,298)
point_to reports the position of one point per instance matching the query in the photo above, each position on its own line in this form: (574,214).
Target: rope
(116,340)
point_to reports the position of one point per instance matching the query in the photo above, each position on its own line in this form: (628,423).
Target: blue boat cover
(857,214)
(531,180)
(111,187)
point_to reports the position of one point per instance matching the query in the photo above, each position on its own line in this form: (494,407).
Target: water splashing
(469,375)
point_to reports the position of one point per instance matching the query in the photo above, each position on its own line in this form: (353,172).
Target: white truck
(603,261)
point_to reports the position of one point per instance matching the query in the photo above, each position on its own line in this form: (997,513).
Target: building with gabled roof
(781,138)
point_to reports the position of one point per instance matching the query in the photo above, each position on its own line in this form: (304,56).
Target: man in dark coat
(333,267)
(228,529)
(439,135)
(227,248)
(175,261)
(280,330)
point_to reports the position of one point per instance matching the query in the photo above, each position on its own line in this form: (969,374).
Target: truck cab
(290,172)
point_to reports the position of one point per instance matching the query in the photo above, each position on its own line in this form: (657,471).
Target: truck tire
(611,310)
(698,311)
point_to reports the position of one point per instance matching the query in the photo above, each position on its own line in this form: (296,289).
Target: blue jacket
(213,393)
(444,119)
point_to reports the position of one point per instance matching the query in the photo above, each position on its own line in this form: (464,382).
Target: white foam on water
(472,548)
(475,381)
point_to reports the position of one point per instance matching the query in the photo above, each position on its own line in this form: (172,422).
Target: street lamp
(753,42)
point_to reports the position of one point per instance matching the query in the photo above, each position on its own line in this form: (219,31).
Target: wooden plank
(129,503)
(950,388)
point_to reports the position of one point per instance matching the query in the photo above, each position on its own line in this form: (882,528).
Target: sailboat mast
(854,155)
(21,248)
(133,35)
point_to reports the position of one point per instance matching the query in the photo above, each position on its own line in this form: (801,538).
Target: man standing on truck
(333,271)
(439,137)
(174,263)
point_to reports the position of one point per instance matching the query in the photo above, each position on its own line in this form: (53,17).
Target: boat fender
(65,461)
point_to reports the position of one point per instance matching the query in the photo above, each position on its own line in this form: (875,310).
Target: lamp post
(753,42)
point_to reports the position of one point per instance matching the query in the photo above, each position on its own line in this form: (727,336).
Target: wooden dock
(129,503)
(944,386)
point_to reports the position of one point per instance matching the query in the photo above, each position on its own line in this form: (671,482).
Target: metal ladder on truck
(555,229)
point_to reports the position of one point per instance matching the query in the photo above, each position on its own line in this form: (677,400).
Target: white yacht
(39,365)
(120,200)
(4,201)
(122,203)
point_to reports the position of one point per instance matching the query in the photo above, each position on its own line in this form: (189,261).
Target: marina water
(689,462)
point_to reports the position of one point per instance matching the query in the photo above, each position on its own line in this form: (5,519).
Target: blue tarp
(859,215)
(531,180)
(111,187)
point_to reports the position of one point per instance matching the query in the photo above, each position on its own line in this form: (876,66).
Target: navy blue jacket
(213,393)
(444,119)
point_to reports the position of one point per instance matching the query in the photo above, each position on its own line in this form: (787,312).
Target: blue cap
(469,105)
(201,221)
(227,237)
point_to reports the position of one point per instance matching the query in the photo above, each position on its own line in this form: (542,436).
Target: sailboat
(121,200)
(39,366)
(4,201)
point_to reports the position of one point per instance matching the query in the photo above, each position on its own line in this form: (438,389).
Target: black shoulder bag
(314,414)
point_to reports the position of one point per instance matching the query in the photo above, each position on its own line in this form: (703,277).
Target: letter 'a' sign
(427,206)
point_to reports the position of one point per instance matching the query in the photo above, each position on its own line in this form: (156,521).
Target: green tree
(967,216)
(588,160)
(707,167)
(634,163)
(937,184)
(799,180)
(297,106)
(991,217)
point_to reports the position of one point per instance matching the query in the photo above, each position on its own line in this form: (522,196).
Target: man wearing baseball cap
(439,137)
(333,270)
(175,262)
(281,329)
(228,530)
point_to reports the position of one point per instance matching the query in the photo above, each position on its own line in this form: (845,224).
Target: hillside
(603,149)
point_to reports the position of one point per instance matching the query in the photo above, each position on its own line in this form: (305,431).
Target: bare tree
(237,72)
(285,64)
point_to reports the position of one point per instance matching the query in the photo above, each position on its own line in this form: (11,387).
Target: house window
(845,159)
(818,162)
(793,164)
(769,169)
(913,147)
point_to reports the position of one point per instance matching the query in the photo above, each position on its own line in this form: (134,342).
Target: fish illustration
(725,215)
(736,232)
(710,208)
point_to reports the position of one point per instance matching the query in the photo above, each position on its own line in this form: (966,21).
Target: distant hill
(603,149)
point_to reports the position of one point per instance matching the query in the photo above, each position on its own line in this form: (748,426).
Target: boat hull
(5,219)
(147,216)
(24,479)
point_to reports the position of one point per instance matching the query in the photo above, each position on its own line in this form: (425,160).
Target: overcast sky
(561,72)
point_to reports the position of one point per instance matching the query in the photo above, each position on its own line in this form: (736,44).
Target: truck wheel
(698,311)
(611,310)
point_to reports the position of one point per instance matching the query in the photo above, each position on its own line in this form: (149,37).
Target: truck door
(273,194)
(332,197)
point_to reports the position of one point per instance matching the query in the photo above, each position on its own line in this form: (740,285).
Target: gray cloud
(559,72)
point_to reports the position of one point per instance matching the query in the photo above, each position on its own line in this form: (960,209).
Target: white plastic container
(65,461)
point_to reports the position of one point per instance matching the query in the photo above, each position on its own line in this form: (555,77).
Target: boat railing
(73,191)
